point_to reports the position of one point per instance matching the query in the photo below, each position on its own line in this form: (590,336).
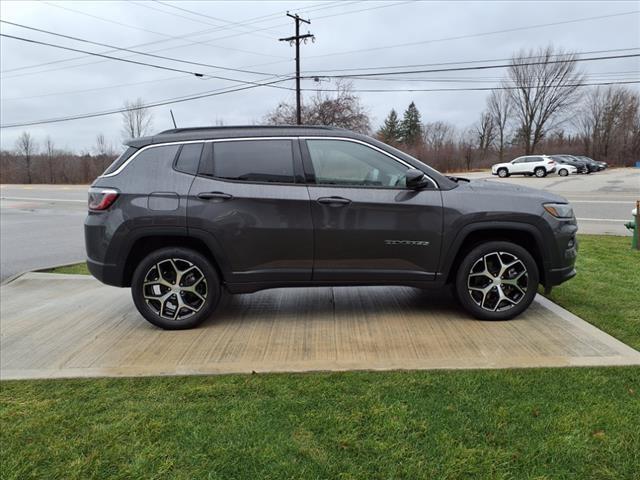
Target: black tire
(563,172)
(518,298)
(199,275)
(503,172)
(540,172)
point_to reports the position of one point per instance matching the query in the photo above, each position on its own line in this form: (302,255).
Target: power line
(472,35)
(159,103)
(199,14)
(28,40)
(433,80)
(490,79)
(200,75)
(136,52)
(460,62)
(461,69)
(167,38)
(472,89)
(222,92)
(251,21)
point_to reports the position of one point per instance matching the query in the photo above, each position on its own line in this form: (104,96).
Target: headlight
(559,210)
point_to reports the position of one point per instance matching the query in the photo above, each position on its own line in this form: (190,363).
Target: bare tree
(543,85)
(101,147)
(50,149)
(485,132)
(499,107)
(343,109)
(438,134)
(467,145)
(26,146)
(609,123)
(137,119)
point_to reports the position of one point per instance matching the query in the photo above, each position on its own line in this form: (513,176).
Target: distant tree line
(541,106)
(32,162)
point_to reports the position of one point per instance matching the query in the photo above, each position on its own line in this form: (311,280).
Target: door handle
(215,196)
(334,201)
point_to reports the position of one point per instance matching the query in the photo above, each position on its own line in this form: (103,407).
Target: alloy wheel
(498,281)
(175,289)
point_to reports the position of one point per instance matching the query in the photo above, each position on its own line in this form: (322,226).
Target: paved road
(41,225)
(602,201)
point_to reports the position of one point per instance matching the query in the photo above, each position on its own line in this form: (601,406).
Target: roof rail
(238,127)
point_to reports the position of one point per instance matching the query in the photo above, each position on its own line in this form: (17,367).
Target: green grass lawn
(76,268)
(606,291)
(573,423)
(538,423)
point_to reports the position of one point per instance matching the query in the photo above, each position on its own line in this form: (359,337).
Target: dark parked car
(573,161)
(185,214)
(599,165)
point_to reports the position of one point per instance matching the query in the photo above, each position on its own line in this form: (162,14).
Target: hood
(488,186)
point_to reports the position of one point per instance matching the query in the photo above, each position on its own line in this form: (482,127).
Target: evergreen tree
(411,127)
(390,131)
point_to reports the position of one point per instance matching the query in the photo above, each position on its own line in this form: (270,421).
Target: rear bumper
(106,273)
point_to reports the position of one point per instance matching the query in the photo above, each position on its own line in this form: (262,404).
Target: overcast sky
(244,35)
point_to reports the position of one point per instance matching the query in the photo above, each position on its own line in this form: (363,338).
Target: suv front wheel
(497,281)
(175,288)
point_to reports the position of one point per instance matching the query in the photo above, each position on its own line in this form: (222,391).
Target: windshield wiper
(457,179)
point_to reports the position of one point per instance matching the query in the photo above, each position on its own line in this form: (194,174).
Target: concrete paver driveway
(73,326)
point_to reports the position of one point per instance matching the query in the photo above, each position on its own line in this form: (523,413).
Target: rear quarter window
(189,158)
(118,162)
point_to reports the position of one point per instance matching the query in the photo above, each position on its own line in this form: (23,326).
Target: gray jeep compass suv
(185,214)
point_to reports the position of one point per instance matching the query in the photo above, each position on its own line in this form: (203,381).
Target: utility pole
(296,39)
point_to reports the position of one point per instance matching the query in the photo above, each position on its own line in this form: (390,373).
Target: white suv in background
(538,165)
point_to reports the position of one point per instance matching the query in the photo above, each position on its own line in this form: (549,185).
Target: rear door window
(189,158)
(254,160)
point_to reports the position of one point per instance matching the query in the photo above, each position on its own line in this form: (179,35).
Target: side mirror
(416,179)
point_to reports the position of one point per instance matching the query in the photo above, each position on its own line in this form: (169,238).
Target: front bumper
(562,265)
(556,276)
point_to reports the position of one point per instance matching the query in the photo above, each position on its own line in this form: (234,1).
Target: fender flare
(449,256)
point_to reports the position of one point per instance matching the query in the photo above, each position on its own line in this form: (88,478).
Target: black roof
(206,133)
(212,133)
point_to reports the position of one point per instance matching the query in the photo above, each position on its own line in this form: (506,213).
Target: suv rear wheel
(503,172)
(540,172)
(497,281)
(175,288)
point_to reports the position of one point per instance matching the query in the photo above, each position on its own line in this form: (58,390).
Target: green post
(634,226)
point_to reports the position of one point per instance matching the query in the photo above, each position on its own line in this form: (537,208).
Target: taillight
(551,162)
(101,198)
